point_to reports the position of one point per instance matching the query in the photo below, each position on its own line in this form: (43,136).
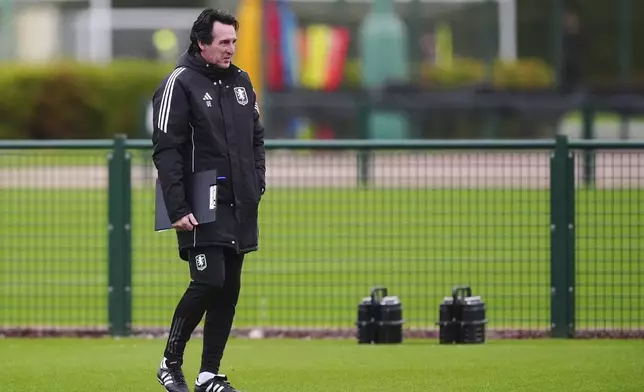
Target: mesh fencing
(423,222)
(53,258)
(609,268)
(159,277)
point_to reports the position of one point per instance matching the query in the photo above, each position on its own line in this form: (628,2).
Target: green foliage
(604,52)
(525,74)
(70,100)
(86,101)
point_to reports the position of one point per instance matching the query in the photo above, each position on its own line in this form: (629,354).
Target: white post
(100,30)
(81,26)
(508,29)
(37,23)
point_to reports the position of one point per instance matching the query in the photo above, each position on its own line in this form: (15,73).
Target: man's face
(220,52)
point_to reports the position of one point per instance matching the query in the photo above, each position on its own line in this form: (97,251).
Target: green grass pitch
(75,365)
(322,249)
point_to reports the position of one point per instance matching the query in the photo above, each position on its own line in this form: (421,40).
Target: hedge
(70,100)
(525,73)
(85,101)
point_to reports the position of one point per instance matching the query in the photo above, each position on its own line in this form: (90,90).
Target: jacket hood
(197,63)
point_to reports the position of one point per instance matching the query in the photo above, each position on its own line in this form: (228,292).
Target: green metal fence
(552,251)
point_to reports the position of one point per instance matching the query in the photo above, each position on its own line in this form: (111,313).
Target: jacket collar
(200,65)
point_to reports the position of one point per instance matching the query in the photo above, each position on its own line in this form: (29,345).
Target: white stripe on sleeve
(166,101)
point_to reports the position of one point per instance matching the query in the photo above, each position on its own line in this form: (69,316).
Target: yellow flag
(318,42)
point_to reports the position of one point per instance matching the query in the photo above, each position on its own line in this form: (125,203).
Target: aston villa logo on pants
(240,94)
(201,262)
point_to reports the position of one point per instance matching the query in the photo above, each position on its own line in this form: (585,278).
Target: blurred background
(336,69)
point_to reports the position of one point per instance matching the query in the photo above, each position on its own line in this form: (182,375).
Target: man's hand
(187,223)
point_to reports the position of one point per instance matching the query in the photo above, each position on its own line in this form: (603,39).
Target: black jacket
(208,118)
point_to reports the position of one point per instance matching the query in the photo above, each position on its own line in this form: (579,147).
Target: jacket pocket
(258,187)
(224,190)
(224,184)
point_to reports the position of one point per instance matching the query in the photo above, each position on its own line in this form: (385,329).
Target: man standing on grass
(206,117)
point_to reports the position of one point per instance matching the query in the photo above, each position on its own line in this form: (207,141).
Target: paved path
(291,169)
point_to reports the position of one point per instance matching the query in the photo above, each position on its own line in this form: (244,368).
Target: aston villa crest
(200,261)
(241,96)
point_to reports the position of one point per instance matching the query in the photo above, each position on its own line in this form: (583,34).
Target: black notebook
(201,192)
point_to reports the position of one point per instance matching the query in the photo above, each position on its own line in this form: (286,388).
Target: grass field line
(408,170)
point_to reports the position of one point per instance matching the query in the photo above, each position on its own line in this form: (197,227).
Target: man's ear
(201,45)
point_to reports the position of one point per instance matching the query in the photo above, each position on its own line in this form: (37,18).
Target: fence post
(625,54)
(362,155)
(588,133)
(562,238)
(119,239)
(556,20)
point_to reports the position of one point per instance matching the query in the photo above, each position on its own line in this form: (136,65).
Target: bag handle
(465,291)
(374,294)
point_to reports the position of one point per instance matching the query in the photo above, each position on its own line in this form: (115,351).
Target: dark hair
(202,27)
